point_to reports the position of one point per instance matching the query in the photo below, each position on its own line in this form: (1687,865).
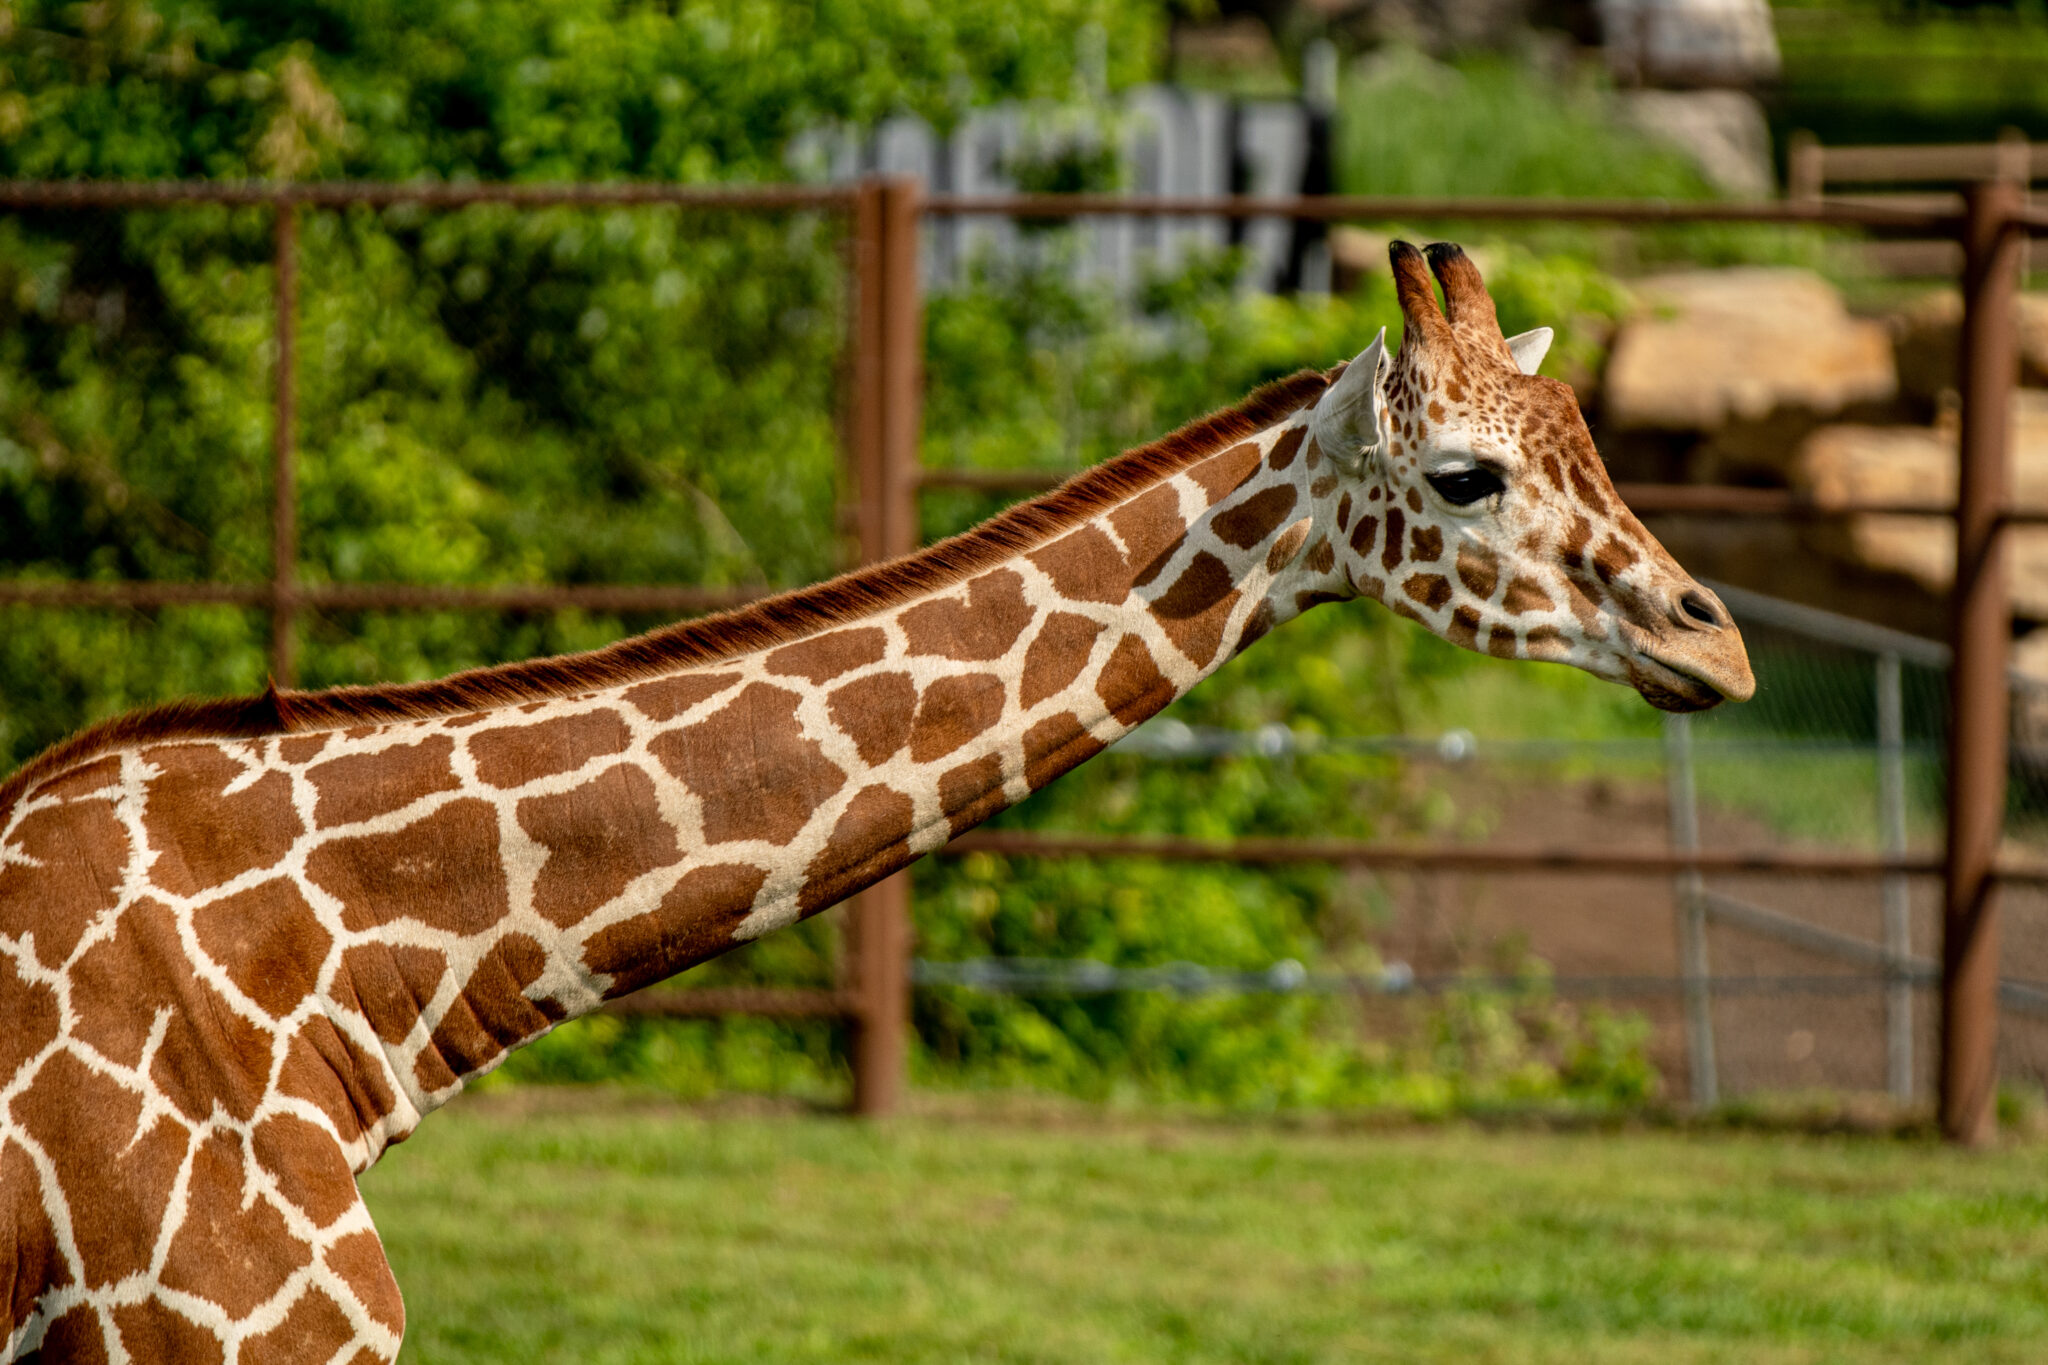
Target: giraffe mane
(762,625)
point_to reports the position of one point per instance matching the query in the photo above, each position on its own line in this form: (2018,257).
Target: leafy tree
(647,395)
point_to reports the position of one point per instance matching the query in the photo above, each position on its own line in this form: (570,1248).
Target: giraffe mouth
(1669,688)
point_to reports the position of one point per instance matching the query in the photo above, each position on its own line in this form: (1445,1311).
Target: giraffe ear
(1529,348)
(1347,420)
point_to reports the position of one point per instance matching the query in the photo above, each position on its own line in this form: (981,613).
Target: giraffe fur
(246,946)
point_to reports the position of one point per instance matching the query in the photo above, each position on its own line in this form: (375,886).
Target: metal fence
(1990,220)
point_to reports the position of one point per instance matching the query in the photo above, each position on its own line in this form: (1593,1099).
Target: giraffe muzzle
(1693,659)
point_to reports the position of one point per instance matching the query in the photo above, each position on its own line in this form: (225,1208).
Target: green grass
(573,1225)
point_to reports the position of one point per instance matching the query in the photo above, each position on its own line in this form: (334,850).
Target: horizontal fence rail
(385,596)
(1337,208)
(89,194)
(1361,853)
(1989,221)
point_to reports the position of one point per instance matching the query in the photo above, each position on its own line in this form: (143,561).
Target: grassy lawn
(569,1225)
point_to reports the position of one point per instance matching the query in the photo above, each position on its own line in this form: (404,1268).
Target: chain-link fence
(1752,982)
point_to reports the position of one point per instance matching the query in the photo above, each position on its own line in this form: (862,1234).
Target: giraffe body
(244,947)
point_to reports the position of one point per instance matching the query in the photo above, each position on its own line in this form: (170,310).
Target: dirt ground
(1826,1031)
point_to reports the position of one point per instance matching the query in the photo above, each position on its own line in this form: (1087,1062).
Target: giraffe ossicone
(246,945)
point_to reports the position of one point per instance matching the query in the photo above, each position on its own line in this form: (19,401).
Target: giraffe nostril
(1695,605)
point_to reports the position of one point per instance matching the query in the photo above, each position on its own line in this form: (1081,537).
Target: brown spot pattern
(359,1260)
(234,1256)
(1247,523)
(314,1328)
(869,841)
(38,1260)
(268,941)
(296,749)
(212,1058)
(1585,489)
(825,657)
(153,1330)
(75,1338)
(1362,534)
(1478,570)
(976,630)
(1255,628)
(492,1014)
(392,982)
(971,792)
(952,712)
(666,698)
(1425,544)
(308,1166)
(364,786)
(1150,526)
(1221,475)
(875,713)
(1193,611)
(1085,566)
(1056,657)
(30,1009)
(519,754)
(694,921)
(1131,685)
(749,763)
(85,1123)
(599,837)
(1397,527)
(1432,590)
(1285,449)
(1054,746)
(328,1071)
(443,870)
(1613,558)
(1573,550)
(80,851)
(1526,595)
(202,835)
(1287,546)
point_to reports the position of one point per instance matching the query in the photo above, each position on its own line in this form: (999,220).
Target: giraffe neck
(645,828)
(378,912)
(261,959)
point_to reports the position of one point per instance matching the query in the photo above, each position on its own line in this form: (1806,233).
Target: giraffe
(246,945)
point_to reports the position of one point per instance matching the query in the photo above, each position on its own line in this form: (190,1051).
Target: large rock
(1724,132)
(1928,330)
(1688,42)
(1844,464)
(1717,347)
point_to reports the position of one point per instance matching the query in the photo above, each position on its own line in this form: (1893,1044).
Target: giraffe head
(1484,512)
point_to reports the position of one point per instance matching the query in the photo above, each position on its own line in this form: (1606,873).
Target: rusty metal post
(1805,169)
(1689,895)
(284,521)
(1978,696)
(888,416)
(864,424)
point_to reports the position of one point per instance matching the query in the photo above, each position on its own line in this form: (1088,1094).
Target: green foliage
(1020,364)
(525,90)
(1878,71)
(1494,126)
(489,396)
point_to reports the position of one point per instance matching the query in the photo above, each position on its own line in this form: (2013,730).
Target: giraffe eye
(1463,487)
